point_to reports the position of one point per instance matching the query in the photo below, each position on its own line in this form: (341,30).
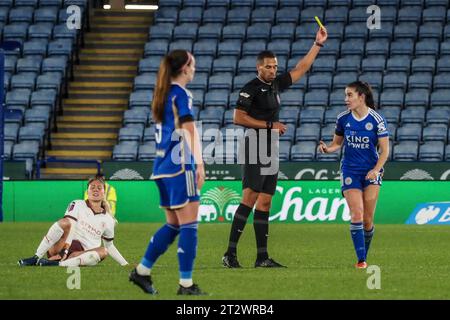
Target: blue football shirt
(172,153)
(360,140)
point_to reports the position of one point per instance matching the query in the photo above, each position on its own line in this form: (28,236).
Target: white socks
(186,282)
(53,235)
(143,270)
(89,258)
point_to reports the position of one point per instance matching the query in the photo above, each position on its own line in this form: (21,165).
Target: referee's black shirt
(261,100)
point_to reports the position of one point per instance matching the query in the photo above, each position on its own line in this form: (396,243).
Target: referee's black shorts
(253,179)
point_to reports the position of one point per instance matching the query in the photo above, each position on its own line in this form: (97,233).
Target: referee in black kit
(258,107)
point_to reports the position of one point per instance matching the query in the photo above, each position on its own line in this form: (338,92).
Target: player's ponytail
(364,88)
(171,66)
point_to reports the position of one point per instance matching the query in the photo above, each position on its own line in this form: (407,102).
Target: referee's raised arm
(305,63)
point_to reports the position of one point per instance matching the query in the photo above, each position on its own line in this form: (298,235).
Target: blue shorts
(176,192)
(351,180)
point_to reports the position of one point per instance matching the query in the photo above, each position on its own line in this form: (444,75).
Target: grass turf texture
(414,263)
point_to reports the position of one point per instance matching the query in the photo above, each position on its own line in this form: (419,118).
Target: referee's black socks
(261,225)
(239,221)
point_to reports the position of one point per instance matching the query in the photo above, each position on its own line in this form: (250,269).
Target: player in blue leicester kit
(178,171)
(362,132)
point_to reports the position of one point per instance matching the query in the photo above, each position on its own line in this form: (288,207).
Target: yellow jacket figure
(110,196)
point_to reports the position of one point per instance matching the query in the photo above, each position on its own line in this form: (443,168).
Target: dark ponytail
(364,88)
(171,66)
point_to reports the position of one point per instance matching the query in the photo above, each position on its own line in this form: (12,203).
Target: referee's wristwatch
(269,124)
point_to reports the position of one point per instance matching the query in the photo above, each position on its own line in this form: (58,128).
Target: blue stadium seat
(405,30)
(147,151)
(150,64)
(253,48)
(327,132)
(406,151)
(306,30)
(157,48)
(292,98)
(149,134)
(43,98)
(404,47)
(348,64)
(300,47)
(13,116)
(291,3)
(413,115)
(441,81)
(321,80)
(410,14)
(125,151)
(281,48)
(435,133)
(194,3)
(18,99)
(229,48)
(26,150)
(358,14)
(391,97)
(266,3)
(36,47)
(308,14)
(410,131)
(185,31)
(131,133)
(170,3)
(391,114)
(312,114)
(332,48)
(447,152)
(24,80)
(357,30)
(181,45)
(205,48)
(4,15)
(336,99)
(289,114)
(247,64)
(216,98)
(11,132)
(60,47)
(427,47)
(22,14)
(259,31)
(308,132)
(438,115)
(440,98)
(432,151)
(285,150)
(443,64)
(145,81)
(378,47)
(135,116)
(395,80)
(336,14)
(333,157)
(221,81)
(387,29)
(215,15)
(335,31)
(352,47)
(49,80)
(373,64)
(424,64)
(303,151)
(190,14)
(239,15)
(288,15)
(445,48)
(283,31)
(342,79)
(40,31)
(210,31)
(50,3)
(225,64)
(46,14)
(7,151)
(434,14)
(420,80)
(32,132)
(204,64)
(161,31)
(263,15)
(212,115)
(218,3)
(228,117)
(140,98)
(430,30)
(324,64)
(200,82)
(235,31)
(242,79)
(39,114)
(55,64)
(199,96)
(15,32)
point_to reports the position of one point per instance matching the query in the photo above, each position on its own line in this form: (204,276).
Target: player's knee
(264,205)
(368,223)
(249,198)
(103,253)
(357,215)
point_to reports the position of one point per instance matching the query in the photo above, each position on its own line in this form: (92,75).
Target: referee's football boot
(268,263)
(193,290)
(47,263)
(230,261)
(28,261)
(144,282)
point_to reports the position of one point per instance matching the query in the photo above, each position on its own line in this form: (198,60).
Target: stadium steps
(93,111)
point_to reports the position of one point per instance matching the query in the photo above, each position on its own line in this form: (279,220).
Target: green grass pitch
(414,263)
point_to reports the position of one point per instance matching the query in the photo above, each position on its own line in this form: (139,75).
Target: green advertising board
(417,171)
(294,201)
(14,170)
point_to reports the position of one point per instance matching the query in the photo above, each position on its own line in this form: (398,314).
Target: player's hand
(322,147)
(64,254)
(372,174)
(280,127)
(200,176)
(321,35)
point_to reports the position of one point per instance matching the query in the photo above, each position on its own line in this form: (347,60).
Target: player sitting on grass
(75,240)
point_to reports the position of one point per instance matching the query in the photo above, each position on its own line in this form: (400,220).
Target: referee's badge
(369,126)
(348,180)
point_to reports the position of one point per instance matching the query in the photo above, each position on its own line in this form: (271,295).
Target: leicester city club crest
(369,126)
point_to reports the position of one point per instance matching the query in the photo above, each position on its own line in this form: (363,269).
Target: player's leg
(237,227)
(52,242)
(370,203)
(354,198)
(79,258)
(187,246)
(159,243)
